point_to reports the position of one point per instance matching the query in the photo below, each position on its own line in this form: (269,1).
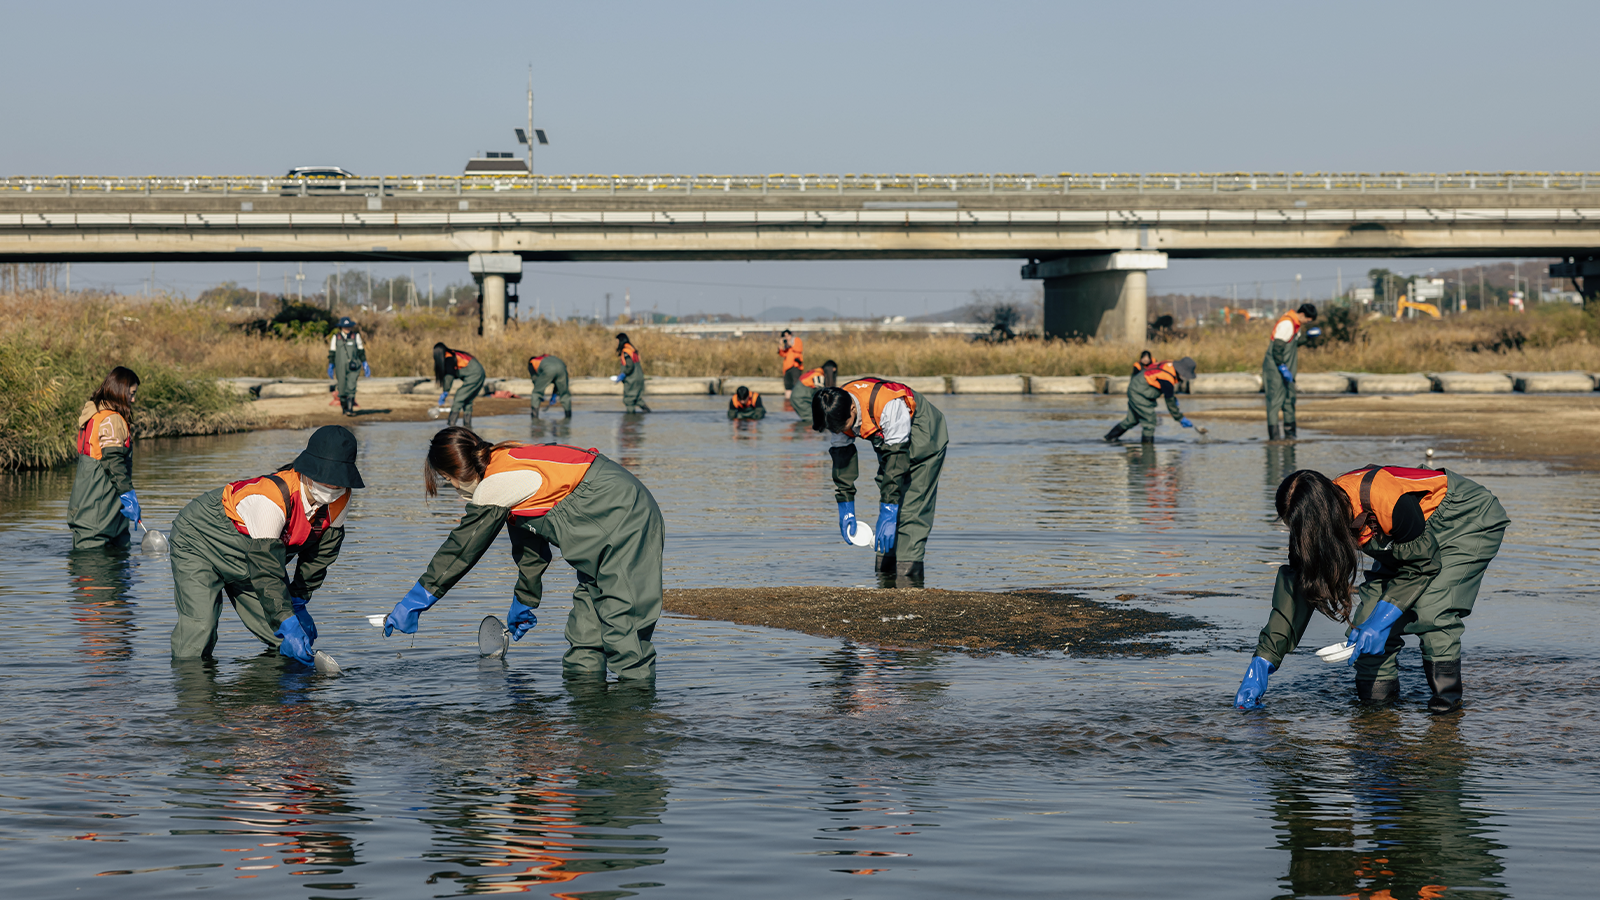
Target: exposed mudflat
(1025,622)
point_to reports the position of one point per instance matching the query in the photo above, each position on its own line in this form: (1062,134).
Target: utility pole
(530,120)
(608,305)
(430,288)
(300,284)
(258,285)
(371,300)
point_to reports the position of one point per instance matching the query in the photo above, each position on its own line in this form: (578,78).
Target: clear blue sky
(404,87)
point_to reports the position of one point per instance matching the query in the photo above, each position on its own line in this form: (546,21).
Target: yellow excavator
(1403,304)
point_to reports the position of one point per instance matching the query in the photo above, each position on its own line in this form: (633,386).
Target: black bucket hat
(346,323)
(1185,368)
(330,458)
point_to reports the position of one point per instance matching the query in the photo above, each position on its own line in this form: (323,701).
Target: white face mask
(320,494)
(465,491)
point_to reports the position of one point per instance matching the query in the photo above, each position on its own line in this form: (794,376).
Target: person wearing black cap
(1159,379)
(236,541)
(347,355)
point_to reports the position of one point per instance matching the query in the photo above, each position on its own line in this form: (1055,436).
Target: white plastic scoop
(493,638)
(435,412)
(1336,653)
(324,664)
(861,536)
(154,541)
(376,621)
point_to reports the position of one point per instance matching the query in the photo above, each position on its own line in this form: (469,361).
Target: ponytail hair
(116,391)
(1323,550)
(457,453)
(831,409)
(830,373)
(439,369)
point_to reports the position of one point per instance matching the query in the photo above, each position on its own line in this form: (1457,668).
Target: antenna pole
(530,119)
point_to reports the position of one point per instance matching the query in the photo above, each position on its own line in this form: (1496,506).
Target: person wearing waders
(792,362)
(1431,534)
(746,404)
(549,372)
(103,502)
(604,521)
(807,385)
(1145,359)
(1281,364)
(908,434)
(347,355)
(448,365)
(236,541)
(1159,379)
(631,376)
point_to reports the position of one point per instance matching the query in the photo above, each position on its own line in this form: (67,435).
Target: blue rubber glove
(330,370)
(1371,635)
(519,619)
(301,613)
(1184,421)
(888,521)
(1254,684)
(553,398)
(847,519)
(405,613)
(366,370)
(130,506)
(443,397)
(296,643)
(1287,375)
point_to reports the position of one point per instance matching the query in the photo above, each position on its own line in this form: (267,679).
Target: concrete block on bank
(922,384)
(1115,384)
(279,389)
(1065,384)
(1226,383)
(668,387)
(1409,383)
(761,385)
(1322,383)
(402,385)
(244,387)
(1472,382)
(593,387)
(522,387)
(1552,382)
(989,384)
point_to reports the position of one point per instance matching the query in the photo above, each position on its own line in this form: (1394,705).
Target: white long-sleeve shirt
(263,519)
(1284,331)
(507,488)
(895,424)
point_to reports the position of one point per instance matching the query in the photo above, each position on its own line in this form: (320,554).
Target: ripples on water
(770,764)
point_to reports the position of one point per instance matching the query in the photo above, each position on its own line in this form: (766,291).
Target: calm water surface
(771,764)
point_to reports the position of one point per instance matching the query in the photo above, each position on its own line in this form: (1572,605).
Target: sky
(707,87)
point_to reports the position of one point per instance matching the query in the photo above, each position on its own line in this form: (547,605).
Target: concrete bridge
(1090,238)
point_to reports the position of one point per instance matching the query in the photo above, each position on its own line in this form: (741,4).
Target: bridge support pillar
(1103,296)
(493,271)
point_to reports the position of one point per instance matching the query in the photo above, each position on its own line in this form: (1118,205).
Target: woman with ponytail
(448,365)
(103,502)
(1431,534)
(603,519)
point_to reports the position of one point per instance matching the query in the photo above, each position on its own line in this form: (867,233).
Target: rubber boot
(644,407)
(1147,439)
(1377,692)
(466,420)
(1115,432)
(908,574)
(450,420)
(1274,433)
(534,409)
(884,562)
(1444,677)
(569,414)
(1288,431)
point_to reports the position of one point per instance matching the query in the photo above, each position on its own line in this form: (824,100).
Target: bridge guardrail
(933,187)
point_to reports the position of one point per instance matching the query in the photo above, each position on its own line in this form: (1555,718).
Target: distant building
(496,164)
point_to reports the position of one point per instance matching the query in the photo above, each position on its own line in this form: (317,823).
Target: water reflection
(1153,474)
(100,583)
(1280,463)
(573,807)
(1401,822)
(865,679)
(630,440)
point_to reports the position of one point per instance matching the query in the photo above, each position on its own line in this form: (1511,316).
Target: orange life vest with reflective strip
(461,358)
(89,434)
(533,363)
(1291,317)
(283,492)
(560,467)
(1160,373)
(628,353)
(791,354)
(748,404)
(872,395)
(813,378)
(1375,490)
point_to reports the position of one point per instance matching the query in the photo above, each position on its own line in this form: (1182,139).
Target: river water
(772,764)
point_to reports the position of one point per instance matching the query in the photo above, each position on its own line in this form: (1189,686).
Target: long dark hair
(1322,545)
(830,373)
(460,454)
(439,364)
(116,391)
(831,410)
(622,339)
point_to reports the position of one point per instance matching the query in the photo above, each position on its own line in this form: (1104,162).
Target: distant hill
(795,314)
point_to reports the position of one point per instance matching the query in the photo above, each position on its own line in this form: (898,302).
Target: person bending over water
(1431,534)
(746,404)
(1155,380)
(448,365)
(604,520)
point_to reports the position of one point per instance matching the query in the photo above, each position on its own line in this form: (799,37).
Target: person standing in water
(604,521)
(347,355)
(791,360)
(631,376)
(448,365)
(1281,366)
(237,540)
(908,434)
(746,404)
(103,503)
(1155,380)
(1431,533)
(807,385)
(549,372)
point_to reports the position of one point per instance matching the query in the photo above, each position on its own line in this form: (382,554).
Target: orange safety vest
(872,395)
(813,378)
(750,404)
(461,358)
(1373,492)
(280,487)
(533,363)
(89,434)
(791,354)
(1293,318)
(560,467)
(1160,373)
(628,353)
